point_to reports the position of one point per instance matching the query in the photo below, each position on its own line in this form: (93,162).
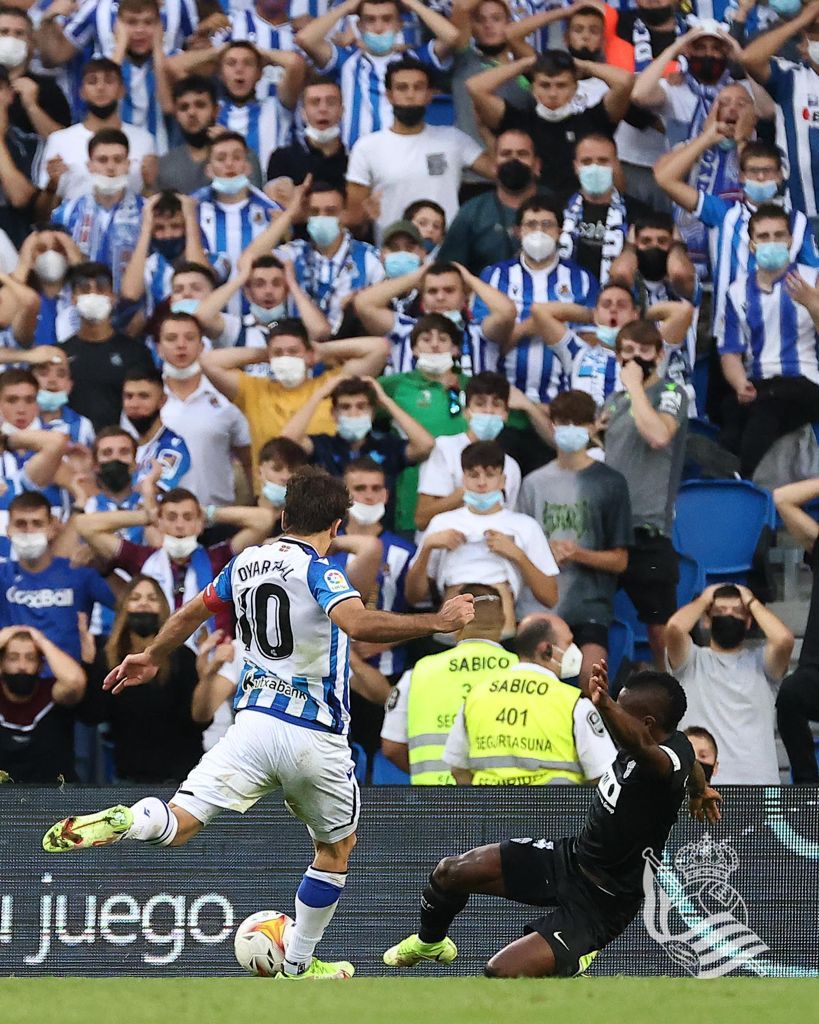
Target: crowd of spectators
(485,260)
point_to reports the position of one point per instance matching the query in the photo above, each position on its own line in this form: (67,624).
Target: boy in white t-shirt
(440,482)
(482,540)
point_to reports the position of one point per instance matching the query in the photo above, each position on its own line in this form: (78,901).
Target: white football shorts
(261,753)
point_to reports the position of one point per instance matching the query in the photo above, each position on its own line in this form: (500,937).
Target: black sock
(438,910)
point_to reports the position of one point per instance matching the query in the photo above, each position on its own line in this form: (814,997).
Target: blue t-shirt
(51,599)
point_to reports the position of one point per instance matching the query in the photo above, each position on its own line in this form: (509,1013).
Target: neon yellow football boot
(87,830)
(320,971)
(412,951)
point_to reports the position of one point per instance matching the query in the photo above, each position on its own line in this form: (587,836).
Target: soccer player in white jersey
(292,706)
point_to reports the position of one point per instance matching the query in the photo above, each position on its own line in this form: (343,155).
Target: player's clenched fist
(456,613)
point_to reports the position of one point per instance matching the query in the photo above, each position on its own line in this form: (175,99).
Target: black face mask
(114,475)
(514,175)
(169,248)
(648,366)
(727,631)
(21,684)
(652,263)
(143,623)
(584,53)
(409,116)
(653,16)
(493,49)
(198,139)
(103,113)
(707,770)
(707,70)
(142,424)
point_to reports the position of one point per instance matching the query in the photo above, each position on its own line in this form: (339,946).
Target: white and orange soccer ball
(261,940)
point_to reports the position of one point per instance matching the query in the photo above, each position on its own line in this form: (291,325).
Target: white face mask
(367,515)
(321,136)
(179,547)
(435,363)
(13,52)
(289,371)
(181,372)
(570,662)
(572,107)
(813,50)
(29,546)
(538,246)
(108,186)
(93,307)
(50,266)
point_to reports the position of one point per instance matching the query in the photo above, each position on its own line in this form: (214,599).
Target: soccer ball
(261,940)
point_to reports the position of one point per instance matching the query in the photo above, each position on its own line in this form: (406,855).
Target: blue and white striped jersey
(775,335)
(92,24)
(140,105)
(168,449)
(328,280)
(107,235)
(248,25)
(265,124)
(70,423)
(795,89)
(531,365)
(296,659)
(589,368)
(361,77)
(478,353)
(728,246)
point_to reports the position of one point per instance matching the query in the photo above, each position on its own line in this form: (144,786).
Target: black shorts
(585,919)
(651,577)
(590,633)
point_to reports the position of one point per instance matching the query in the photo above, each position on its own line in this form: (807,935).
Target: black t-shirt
(555,140)
(23,148)
(37,738)
(299,159)
(591,231)
(50,99)
(155,738)
(810,644)
(98,369)
(632,810)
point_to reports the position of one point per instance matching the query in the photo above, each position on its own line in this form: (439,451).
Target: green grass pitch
(405,1000)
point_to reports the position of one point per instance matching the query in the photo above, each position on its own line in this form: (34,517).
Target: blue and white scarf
(613,240)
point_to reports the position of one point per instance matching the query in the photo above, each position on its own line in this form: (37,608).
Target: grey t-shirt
(732,697)
(179,173)
(652,474)
(591,507)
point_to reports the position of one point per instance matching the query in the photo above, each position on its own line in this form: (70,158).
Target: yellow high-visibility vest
(520,723)
(438,686)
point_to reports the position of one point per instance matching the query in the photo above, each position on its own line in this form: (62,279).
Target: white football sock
(316,902)
(154,822)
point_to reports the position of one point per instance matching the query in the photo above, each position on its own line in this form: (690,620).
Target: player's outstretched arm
(627,732)
(703,801)
(137,669)
(361,623)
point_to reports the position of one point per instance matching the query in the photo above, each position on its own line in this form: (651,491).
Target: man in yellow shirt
(298,369)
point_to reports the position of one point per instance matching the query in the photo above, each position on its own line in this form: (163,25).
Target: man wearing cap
(402,251)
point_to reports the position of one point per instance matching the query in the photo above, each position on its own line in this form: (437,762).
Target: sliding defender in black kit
(593,882)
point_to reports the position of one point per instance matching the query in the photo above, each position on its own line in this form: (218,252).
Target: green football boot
(320,971)
(412,951)
(87,830)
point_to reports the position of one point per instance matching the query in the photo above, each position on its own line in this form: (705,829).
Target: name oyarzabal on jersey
(296,659)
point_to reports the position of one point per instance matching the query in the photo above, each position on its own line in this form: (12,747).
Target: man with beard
(730,686)
(39,683)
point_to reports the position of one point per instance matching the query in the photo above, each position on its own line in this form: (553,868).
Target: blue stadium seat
(621,645)
(441,110)
(360,761)
(719,522)
(386,774)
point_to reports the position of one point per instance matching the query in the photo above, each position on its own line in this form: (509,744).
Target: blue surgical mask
(51,401)
(455,315)
(727,144)
(570,438)
(378,43)
(185,306)
(785,8)
(760,191)
(772,255)
(275,493)
(486,425)
(354,428)
(596,179)
(398,263)
(268,316)
(323,230)
(482,502)
(170,249)
(607,335)
(231,186)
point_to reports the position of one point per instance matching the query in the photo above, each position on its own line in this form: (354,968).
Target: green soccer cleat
(86,830)
(412,951)
(320,971)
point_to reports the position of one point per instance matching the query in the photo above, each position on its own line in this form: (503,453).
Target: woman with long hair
(156,729)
